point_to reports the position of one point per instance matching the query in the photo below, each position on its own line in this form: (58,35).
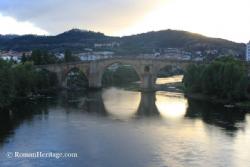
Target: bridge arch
(174,67)
(73,74)
(103,67)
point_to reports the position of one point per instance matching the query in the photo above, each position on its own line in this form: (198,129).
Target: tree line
(22,81)
(224,78)
(43,57)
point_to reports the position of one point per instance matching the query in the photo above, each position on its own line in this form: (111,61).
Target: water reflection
(171,105)
(123,104)
(120,103)
(203,135)
(167,80)
(21,112)
(217,115)
(94,103)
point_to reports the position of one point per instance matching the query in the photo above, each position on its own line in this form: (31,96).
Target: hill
(74,39)
(78,40)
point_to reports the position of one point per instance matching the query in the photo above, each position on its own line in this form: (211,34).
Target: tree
(23,80)
(192,78)
(69,57)
(40,57)
(24,58)
(224,78)
(36,56)
(6,84)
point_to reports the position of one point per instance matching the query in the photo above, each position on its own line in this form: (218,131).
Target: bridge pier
(147,105)
(147,83)
(95,76)
(94,83)
(62,82)
(59,76)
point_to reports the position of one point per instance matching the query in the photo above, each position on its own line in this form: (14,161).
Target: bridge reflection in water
(171,105)
(130,106)
(151,137)
(122,104)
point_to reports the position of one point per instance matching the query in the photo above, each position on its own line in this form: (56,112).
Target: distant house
(60,56)
(89,56)
(211,52)
(175,53)
(110,45)
(11,55)
(248,51)
(88,49)
(199,53)
(198,59)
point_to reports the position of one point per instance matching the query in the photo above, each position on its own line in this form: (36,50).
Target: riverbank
(44,94)
(243,105)
(178,87)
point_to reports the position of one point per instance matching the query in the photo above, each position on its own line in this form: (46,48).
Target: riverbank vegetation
(223,79)
(23,81)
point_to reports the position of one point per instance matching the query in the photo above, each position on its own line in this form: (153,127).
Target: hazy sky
(228,19)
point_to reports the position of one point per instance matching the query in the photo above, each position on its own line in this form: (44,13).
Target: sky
(228,19)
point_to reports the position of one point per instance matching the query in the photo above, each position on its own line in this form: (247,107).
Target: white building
(248,52)
(89,56)
(11,55)
(60,55)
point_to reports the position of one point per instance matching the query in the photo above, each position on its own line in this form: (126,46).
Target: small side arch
(74,76)
(167,70)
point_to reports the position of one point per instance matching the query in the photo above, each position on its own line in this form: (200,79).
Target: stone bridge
(147,70)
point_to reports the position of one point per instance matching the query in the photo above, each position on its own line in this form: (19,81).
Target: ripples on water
(124,128)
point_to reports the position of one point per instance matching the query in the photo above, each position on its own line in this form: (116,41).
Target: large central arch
(121,64)
(103,66)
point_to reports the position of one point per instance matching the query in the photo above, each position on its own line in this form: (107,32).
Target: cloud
(11,26)
(217,18)
(58,15)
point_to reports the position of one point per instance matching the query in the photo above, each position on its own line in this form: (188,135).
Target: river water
(120,128)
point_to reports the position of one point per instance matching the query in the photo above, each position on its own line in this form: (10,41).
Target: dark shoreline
(178,88)
(242,105)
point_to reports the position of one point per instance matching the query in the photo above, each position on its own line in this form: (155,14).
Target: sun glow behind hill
(227,19)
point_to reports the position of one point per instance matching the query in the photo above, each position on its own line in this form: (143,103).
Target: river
(121,128)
